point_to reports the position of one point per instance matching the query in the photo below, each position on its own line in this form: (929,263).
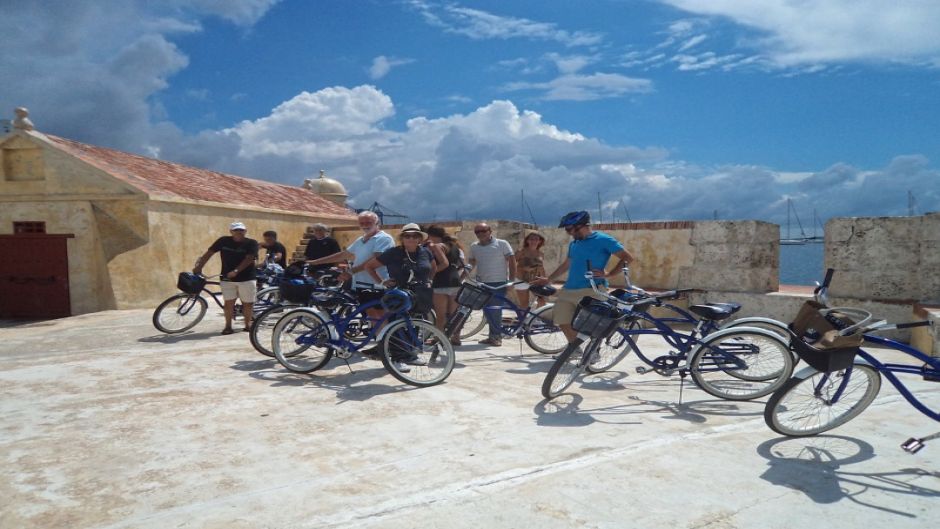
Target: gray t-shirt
(491,260)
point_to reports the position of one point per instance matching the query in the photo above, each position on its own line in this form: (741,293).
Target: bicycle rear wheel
(266,298)
(614,348)
(301,341)
(417,353)
(803,406)
(566,369)
(179,313)
(473,324)
(741,363)
(542,334)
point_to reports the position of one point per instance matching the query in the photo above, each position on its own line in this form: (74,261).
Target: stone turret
(328,188)
(22,121)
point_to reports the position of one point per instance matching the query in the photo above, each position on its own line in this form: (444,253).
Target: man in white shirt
(495,265)
(371,244)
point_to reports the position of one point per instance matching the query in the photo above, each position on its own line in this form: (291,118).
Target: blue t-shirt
(597,248)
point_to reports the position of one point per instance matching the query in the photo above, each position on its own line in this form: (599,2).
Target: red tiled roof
(157,177)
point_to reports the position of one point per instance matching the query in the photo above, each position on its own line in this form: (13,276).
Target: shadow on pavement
(817,466)
(176,338)
(348,385)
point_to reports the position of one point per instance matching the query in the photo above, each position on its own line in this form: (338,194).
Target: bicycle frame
(523,316)
(931,369)
(682,342)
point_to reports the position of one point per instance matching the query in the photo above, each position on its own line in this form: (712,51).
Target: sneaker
(492,341)
(401,367)
(414,360)
(372,353)
(227,330)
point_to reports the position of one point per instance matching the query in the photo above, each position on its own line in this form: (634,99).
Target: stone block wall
(885,258)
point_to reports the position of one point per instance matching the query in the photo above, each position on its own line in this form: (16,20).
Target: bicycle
(534,326)
(414,351)
(185,310)
(706,320)
(738,363)
(327,298)
(841,378)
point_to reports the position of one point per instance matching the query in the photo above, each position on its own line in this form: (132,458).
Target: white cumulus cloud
(381,65)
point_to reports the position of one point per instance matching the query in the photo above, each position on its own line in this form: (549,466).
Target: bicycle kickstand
(681,384)
(913,445)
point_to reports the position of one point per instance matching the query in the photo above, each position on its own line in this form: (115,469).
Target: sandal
(227,330)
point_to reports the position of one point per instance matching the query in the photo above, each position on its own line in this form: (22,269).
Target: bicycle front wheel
(266,298)
(807,406)
(566,369)
(301,341)
(614,348)
(179,313)
(542,334)
(417,353)
(262,329)
(741,363)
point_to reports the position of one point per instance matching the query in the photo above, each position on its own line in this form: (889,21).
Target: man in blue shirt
(586,247)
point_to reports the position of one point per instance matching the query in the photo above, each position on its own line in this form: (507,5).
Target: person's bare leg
(570,333)
(246,312)
(441,305)
(523,298)
(229,309)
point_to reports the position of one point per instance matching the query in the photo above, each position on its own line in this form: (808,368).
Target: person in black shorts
(239,254)
(275,251)
(447,280)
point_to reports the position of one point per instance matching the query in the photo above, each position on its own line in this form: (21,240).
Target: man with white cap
(239,254)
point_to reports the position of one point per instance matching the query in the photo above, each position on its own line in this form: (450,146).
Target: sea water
(801,264)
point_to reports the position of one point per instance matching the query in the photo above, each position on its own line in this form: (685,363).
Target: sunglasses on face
(572,229)
(410,236)
(478,232)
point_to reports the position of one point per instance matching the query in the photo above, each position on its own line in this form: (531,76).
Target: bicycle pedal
(642,370)
(913,445)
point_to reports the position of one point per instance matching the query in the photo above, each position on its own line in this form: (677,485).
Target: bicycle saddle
(713,312)
(734,307)
(544,290)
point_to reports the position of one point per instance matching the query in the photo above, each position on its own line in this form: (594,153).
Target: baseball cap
(237,226)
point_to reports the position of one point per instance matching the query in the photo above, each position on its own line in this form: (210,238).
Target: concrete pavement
(107,423)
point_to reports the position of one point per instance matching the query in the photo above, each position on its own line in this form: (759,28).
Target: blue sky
(668,108)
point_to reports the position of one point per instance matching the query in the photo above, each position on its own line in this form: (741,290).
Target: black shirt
(233,253)
(318,248)
(400,263)
(450,276)
(276,247)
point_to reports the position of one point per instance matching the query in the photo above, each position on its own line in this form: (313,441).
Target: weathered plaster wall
(89,288)
(178,234)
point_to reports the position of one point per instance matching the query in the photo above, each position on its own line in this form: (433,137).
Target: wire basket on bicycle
(190,283)
(473,296)
(596,318)
(817,341)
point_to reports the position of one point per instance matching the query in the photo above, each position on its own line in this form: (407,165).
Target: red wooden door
(34,276)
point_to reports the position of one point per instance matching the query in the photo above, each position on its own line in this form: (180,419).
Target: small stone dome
(328,188)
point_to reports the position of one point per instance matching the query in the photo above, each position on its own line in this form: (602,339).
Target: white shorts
(243,290)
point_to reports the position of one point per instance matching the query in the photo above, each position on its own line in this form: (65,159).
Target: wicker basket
(596,318)
(190,283)
(473,296)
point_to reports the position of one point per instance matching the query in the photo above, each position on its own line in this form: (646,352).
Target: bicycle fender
(334,335)
(741,322)
(732,330)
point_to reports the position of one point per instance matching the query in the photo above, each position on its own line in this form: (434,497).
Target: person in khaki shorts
(239,254)
(586,246)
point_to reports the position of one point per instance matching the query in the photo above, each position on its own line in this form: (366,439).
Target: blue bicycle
(735,363)
(534,326)
(413,350)
(842,378)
